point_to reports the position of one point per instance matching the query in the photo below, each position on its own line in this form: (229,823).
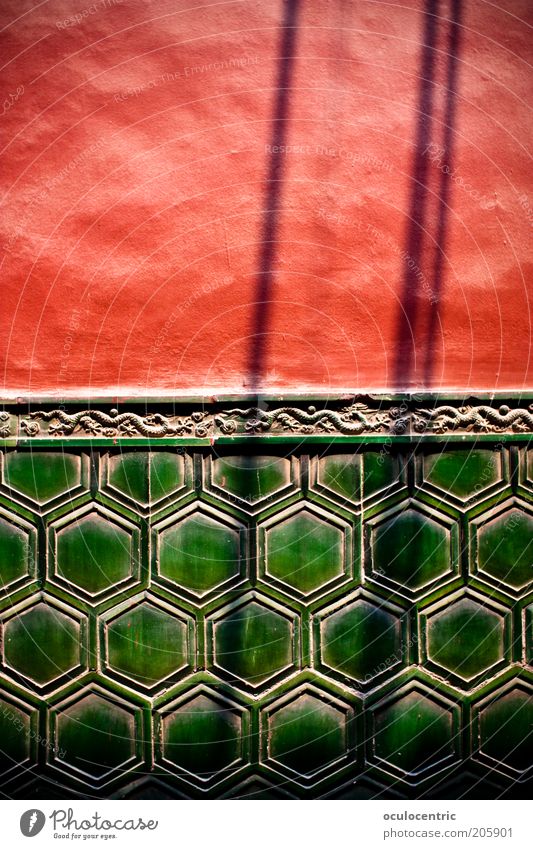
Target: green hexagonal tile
(304,551)
(199,553)
(505,548)
(146,476)
(15,728)
(42,476)
(96,735)
(341,473)
(413,733)
(529,467)
(466,638)
(17,553)
(94,553)
(361,640)
(411,549)
(464,473)
(381,469)
(307,734)
(253,642)
(146,644)
(42,643)
(203,736)
(528,614)
(251,477)
(506,729)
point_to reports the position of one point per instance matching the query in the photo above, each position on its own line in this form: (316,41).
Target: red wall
(147,211)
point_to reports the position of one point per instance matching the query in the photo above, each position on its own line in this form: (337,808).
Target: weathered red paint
(138,195)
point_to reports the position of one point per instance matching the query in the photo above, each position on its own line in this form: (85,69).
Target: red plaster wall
(154,241)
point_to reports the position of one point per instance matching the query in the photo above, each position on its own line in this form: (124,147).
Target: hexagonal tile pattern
(360,638)
(525,469)
(95,551)
(503,725)
(251,478)
(505,548)
(203,735)
(145,477)
(44,476)
(200,552)
(528,634)
(414,732)
(253,641)
(18,550)
(464,473)
(412,547)
(147,643)
(43,642)
(340,475)
(466,637)
(98,735)
(306,619)
(304,552)
(306,733)
(18,732)
(382,472)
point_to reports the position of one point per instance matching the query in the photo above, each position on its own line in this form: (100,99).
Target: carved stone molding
(362,417)
(357,419)
(479,419)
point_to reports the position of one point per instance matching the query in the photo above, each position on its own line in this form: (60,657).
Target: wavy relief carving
(357,419)
(481,419)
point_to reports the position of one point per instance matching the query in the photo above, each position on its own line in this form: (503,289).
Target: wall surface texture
(220,196)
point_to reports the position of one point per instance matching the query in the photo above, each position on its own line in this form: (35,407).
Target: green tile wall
(351,622)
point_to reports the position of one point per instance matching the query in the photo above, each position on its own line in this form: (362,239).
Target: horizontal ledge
(181,421)
(249,441)
(338,395)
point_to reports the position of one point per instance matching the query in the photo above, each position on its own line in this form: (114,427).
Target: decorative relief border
(362,417)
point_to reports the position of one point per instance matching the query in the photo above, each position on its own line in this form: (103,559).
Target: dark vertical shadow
(426,234)
(267,254)
(453,48)
(414,241)
(272,199)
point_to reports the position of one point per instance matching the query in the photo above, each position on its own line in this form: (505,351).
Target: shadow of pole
(419,242)
(414,242)
(272,200)
(443,199)
(426,235)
